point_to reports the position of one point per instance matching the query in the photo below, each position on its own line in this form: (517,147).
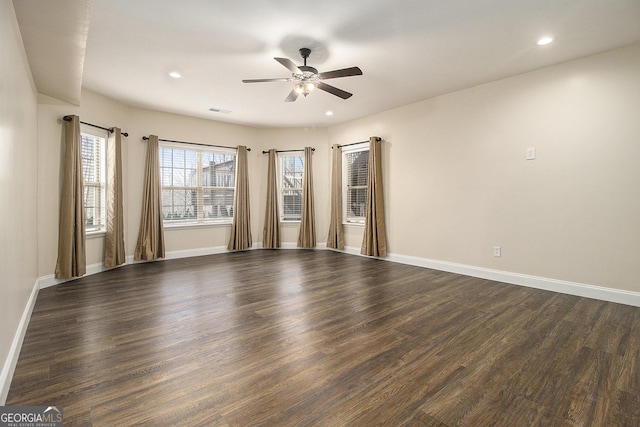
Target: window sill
(354,224)
(290,221)
(196,225)
(95,234)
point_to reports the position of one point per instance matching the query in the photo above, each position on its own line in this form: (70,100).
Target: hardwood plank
(322,338)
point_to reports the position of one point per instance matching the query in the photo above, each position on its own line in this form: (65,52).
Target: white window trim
(280,171)
(103,134)
(167,225)
(359,222)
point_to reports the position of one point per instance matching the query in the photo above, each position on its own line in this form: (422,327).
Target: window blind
(198,185)
(94,145)
(356,169)
(291,177)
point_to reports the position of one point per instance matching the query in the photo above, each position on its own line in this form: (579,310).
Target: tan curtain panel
(241,228)
(336,233)
(307,234)
(374,242)
(71,260)
(271,231)
(114,240)
(150,243)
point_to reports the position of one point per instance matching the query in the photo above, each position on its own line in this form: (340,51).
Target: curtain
(241,228)
(374,242)
(150,243)
(271,231)
(114,240)
(307,234)
(71,260)
(336,234)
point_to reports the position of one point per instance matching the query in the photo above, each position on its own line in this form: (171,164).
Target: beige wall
(294,139)
(140,122)
(18,187)
(457,182)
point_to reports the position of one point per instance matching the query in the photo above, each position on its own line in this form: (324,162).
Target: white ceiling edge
(54,34)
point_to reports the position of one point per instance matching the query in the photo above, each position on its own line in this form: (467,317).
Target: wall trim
(16,345)
(294,245)
(186,253)
(50,279)
(562,286)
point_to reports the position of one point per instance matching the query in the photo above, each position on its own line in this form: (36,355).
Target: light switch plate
(531,153)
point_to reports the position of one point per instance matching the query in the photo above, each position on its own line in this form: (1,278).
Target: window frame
(87,131)
(289,218)
(199,190)
(356,148)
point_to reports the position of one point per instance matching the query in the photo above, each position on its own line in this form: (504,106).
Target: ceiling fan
(307,79)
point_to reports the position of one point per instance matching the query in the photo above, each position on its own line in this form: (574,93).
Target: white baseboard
(16,345)
(50,279)
(565,287)
(294,245)
(187,253)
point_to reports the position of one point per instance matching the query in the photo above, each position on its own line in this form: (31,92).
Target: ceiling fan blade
(293,95)
(285,79)
(334,90)
(289,64)
(345,72)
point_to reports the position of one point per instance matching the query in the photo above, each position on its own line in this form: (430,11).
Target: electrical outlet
(497,251)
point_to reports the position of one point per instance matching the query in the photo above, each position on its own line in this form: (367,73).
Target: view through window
(198,184)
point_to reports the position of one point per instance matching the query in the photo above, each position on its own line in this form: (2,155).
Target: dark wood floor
(298,337)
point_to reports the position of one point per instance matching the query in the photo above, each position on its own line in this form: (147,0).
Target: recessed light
(545,41)
(175,74)
(328,113)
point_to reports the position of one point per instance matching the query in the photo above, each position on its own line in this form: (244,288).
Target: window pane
(292,204)
(93,150)
(218,203)
(291,175)
(178,158)
(178,178)
(356,202)
(355,185)
(358,168)
(218,170)
(197,185)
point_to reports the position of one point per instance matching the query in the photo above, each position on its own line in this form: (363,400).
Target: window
(291,176)
(94,174)
(197,185)
(355,170)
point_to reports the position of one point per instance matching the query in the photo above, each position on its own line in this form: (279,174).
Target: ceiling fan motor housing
(305,52)
(307,69)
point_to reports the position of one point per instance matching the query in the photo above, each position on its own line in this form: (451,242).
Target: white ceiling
(408,50)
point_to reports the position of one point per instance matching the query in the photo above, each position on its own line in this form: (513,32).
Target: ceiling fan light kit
(307,79)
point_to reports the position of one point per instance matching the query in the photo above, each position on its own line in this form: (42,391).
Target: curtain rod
(355,143)
(146,138)
(287,151)
(110,130)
